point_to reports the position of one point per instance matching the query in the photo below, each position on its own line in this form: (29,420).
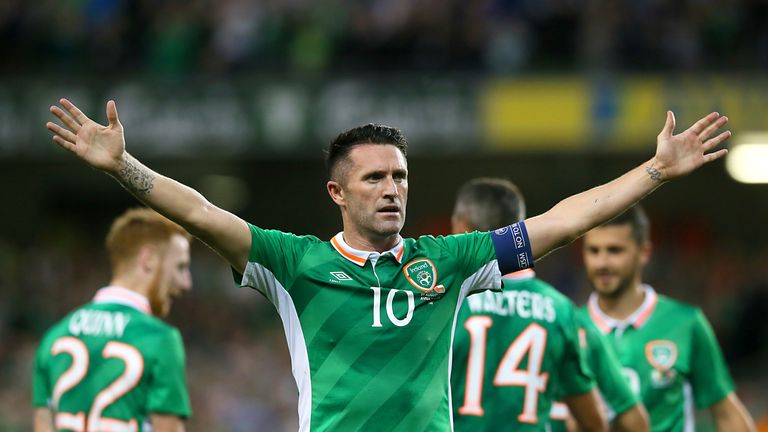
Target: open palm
(99,146)
(680,154)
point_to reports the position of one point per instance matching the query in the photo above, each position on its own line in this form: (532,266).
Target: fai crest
(421,273)
(661,354)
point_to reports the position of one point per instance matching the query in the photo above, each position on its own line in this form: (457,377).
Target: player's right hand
(102,147)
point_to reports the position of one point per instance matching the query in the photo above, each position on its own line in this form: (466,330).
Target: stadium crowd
(171,37)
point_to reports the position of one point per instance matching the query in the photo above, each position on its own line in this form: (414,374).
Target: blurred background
(238,98)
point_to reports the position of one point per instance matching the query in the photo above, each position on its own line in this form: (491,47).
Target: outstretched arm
(103,148)
(676,156)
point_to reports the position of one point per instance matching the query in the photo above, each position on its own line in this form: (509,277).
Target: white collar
(360,257)
(124,296)
(637,319)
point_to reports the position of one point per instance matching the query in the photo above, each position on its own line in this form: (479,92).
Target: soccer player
(514,349)
(668,349)
(112,364)
(368,315)
(625,411)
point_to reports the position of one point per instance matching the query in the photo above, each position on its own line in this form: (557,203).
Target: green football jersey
(602,361)
(369,333)
(109,364)
(512,351)
(670,356)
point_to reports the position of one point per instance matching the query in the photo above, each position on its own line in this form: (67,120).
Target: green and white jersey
(513,350)
(369,333)
(602,361)
(670,356)
(109,364)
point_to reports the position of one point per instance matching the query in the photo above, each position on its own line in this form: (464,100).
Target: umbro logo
(341,276)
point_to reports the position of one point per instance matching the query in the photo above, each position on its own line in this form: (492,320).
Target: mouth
(603,277)
(389,210)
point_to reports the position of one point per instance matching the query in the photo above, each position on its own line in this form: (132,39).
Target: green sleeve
(473,252)
(575,377)
(608,371)
(277,251)
(710,379)
(41,387)
(168,392)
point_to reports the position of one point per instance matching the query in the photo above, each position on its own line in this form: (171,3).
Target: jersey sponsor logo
(662,355)
(422,274)
(340,276)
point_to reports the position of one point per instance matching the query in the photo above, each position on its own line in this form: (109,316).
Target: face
(373,191)
(613,260)
(172,277)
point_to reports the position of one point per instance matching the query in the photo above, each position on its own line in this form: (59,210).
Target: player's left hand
(678,155)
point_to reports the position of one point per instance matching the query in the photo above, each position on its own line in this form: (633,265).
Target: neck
(622,305)
(131,283)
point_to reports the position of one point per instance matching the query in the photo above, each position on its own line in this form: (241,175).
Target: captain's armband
(513,249)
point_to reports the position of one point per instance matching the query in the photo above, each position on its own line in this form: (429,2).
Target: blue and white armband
(513,248)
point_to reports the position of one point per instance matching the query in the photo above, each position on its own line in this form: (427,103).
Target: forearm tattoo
(653,173)
(136,178)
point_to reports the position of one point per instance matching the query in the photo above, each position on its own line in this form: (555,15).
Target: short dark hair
(488,203)
(371,133)
(636,218)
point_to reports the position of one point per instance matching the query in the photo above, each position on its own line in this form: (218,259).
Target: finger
(66,119)
(709,157)
(64,143)
(669,125)
(720,122)
(62,132)
(702,124)
(74,111)
(714,142)
(114,121)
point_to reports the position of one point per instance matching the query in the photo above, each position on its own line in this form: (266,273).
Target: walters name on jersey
(523,304)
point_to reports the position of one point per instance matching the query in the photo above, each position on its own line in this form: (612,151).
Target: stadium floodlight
(747,160)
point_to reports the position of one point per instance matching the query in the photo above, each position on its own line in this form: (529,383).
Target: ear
(336,191)
(148,259)
(645,253)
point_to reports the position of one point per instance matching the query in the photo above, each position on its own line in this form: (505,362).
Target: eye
(374,177)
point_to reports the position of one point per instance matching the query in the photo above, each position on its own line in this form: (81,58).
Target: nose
(600,258)
(186,281)
(392,190)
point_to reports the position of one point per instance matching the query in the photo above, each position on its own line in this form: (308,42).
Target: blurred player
(669,352)
(513,349)
(112,365)
(625,411)
(368,314)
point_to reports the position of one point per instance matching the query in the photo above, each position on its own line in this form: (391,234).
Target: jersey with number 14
(108,365)
(369,333)
(513,351)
